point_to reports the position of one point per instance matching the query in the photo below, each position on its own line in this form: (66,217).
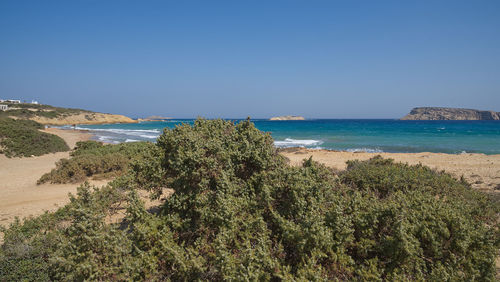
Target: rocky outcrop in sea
(437,113)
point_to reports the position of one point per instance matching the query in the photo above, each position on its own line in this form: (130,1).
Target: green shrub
(242,212)
(93,159)
(33,250)
(27,246)
(85,147)
(22,138)
(88,248)
(26,111)
(383,177)
(239,212)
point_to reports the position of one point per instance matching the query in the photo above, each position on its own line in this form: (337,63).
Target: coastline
(22,197)
(71,136)
(85,118)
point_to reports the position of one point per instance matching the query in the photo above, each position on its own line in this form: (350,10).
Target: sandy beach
(482,171)
(20,196)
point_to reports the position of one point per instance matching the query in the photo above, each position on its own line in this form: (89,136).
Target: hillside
(23,138)
(46,114)
(436,113)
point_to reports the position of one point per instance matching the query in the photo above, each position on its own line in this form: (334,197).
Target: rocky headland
(437,113)
(84,118)
(155,118)
(50,115)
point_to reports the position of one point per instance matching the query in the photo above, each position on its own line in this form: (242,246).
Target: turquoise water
(348,135)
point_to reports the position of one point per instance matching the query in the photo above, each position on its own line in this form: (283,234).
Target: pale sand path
(19,194)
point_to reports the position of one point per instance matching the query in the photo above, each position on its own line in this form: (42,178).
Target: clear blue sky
(319,59)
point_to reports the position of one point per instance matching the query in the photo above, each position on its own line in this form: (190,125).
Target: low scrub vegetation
(22,138)
(240,212)
(93,159)
(26,111)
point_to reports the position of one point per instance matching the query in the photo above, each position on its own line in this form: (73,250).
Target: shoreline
(71,136)
(286,149)
(22,197)
(298,148)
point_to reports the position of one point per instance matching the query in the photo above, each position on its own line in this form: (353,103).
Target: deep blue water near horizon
(370,135)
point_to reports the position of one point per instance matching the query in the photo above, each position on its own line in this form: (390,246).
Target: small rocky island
(287,118)
(436,113)
(155,118)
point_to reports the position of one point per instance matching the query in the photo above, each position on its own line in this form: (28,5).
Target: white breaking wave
(365,150)
(289,142)
(104,138)
(143,133)
(120,131)
(107,139)
(149,136)
(117,129)
(131,140)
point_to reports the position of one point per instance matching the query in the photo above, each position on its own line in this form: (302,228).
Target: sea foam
(115,135)
(364,150)
(289,142)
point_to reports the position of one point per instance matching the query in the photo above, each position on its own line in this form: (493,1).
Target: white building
(10,101)
(4,107)
(34,102)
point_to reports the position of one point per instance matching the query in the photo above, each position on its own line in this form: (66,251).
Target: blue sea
(365,135)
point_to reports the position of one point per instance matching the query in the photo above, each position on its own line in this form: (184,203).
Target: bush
(22,138)
(239,212)
(242,212)
(27,246)
(27,111)
(383,177)
(88,248)
(93,159)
